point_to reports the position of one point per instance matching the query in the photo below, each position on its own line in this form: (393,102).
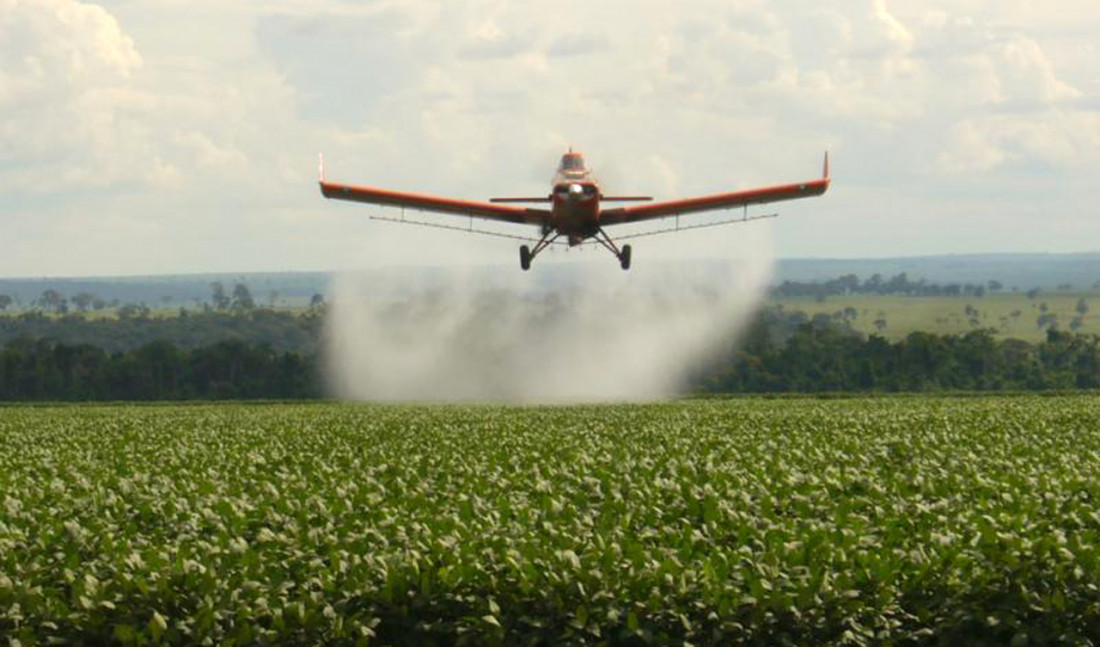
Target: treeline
(280,330)
(53,301)
(898,285)
(783,352)
(229,370)
(824,358)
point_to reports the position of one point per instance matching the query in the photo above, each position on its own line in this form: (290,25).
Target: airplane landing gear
(623,255)
(526,254)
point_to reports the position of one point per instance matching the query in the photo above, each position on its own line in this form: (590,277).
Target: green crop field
(1011,315)
(888,522)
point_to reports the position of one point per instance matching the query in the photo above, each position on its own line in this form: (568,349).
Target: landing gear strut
(526,254)
(623,255)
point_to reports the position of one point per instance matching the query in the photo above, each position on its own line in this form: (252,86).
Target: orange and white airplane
(575,207)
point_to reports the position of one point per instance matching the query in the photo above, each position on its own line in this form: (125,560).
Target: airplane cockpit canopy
(572,162)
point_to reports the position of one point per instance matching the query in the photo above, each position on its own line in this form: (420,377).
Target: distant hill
(1023,271)
(291,288)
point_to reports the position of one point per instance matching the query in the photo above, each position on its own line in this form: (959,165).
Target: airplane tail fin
(825,173)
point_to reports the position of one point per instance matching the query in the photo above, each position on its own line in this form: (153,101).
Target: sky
(173,136)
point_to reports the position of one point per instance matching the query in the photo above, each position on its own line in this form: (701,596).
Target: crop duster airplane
(575,210)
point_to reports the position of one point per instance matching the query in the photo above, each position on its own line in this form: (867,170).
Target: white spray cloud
(566,332)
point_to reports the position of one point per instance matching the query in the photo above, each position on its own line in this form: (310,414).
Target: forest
(262,354)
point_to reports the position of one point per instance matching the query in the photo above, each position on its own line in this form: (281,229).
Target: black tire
(525,257)
(624,257)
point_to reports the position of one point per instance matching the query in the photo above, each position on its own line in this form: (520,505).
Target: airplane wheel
(525,257)
(624,258)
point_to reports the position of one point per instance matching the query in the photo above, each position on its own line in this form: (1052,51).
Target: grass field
(948,315)
(888,522)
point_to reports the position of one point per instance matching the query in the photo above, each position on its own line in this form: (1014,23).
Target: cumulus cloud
(1026,75)
(63,91)
(78,43)
(85,109)
(1020,110)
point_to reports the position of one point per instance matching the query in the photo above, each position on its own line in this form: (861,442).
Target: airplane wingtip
(825,172)
(321,167)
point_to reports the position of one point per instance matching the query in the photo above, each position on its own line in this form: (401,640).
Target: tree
(849,283)
(218,296)
(317,300)
(1082,307)
(898,284)
(1043,307)
(83,300)
(880,324)
(242,298)
(5,301)
(51,299)
(1047,320)
(995,286)
(1032,293)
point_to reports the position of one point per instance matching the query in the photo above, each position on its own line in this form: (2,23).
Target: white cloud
(63,92)
(1027,75)
(1054,138)
(894,30)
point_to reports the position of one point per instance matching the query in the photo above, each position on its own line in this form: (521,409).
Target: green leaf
(124,634)
(157,625)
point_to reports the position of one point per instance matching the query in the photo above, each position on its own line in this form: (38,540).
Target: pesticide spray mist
(577,331)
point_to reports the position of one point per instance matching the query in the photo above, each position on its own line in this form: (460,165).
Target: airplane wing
(371,195)
(714,202)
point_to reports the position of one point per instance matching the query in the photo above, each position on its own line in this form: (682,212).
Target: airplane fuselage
(575,200)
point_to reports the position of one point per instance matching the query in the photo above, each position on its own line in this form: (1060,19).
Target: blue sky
(164,136)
